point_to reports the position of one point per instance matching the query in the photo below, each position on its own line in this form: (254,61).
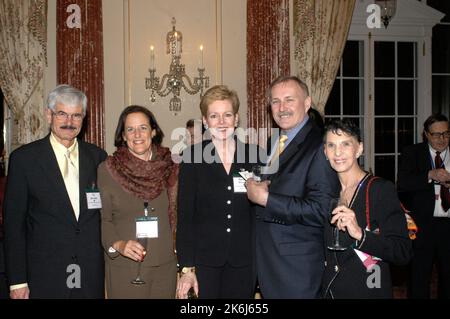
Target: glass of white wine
(335,244)
(143,241)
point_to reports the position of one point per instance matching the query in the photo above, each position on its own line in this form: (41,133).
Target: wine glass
(335,245)
(257,173)
(143,241)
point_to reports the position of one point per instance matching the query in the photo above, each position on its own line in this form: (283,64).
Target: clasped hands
(441,176)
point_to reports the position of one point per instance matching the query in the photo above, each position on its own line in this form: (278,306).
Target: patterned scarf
(143,179)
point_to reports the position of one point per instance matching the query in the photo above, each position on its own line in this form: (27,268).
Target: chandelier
(176,79)
(388,8)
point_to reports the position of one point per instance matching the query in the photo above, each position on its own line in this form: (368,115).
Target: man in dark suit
(52,231)
(424,180)
(294,201)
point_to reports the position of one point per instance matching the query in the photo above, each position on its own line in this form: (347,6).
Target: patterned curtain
(267,58)
(320,31)
(80,58)
(23,58)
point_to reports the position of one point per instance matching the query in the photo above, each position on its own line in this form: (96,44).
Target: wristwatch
(185,270)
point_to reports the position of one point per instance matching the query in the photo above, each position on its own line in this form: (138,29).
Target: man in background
(424,180)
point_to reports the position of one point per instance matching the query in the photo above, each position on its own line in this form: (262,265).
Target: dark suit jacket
(208,206)
(42,235)
(415,163)
(289,230)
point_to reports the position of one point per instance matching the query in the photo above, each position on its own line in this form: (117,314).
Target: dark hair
(346,126)
(284,79)
(437,117)
(316,117)
(118,137)
(190,123)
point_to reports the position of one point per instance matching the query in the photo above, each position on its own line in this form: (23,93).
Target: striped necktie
(444,194)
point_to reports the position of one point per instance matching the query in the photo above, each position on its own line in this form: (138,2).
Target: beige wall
(131,26)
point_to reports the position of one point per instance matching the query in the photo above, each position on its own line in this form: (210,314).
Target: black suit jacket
(42,235)
(289,230)
(412,183)
(208,206)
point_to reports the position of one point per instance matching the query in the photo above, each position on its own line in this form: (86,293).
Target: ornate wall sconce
(177,78)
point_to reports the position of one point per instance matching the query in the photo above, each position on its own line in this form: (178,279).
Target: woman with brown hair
(139,179)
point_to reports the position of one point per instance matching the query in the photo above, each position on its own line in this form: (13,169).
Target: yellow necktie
(280,148)
(71,180)
(283,138)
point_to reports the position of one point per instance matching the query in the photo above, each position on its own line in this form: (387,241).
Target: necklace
(355,192)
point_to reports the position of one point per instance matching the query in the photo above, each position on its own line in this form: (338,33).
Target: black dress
(345,275)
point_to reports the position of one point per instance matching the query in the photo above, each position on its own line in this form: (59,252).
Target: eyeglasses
(63,116)
(437,135)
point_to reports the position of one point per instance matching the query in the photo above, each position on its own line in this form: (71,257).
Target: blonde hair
(219,93)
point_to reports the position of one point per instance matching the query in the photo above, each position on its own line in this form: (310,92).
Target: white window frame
(413,23)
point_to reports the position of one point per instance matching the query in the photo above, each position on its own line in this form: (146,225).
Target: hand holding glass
(143,241)
(335,245)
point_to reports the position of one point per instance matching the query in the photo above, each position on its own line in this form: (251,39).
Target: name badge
(147,227)
(239,184)
(94,200)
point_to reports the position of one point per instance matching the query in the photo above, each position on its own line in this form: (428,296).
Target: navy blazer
(42,235)
(289,230)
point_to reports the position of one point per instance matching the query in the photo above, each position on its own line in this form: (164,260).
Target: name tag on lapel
(239,184)
(147,227)
(93,198)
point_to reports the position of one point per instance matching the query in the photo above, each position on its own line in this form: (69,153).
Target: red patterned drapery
(80,58)
(267,58)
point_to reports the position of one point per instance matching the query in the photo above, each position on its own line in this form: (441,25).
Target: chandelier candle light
(177,78)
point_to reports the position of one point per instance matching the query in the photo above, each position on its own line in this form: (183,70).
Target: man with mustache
(51,209)
(293,198)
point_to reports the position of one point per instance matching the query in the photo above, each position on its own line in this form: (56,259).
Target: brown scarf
(143,179)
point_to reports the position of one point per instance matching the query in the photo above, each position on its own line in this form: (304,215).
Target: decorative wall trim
(80,59)
(267,58)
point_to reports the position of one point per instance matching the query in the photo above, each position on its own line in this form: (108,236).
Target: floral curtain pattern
(80,60)
(320,32)
(267,58)
(23,58)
